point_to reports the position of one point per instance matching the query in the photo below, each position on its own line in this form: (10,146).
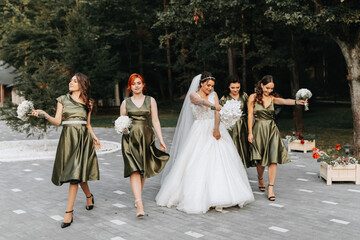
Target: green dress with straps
(76,159)
(239,132)
(138,147)
(267,146)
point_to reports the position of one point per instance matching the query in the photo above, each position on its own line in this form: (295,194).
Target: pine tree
(41,87)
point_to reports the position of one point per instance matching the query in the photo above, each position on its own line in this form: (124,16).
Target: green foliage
(338,19)
(42,88)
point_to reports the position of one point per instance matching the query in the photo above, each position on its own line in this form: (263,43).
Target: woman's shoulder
(62,98)
(252,96)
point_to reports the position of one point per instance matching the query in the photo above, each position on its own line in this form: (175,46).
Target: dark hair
(258,90)
(84,84)
(233,79)
(205,76)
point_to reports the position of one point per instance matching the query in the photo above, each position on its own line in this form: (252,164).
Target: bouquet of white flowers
(230,113)
(304,94)
(24,109)
(122,123)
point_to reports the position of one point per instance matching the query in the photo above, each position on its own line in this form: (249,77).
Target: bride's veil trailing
(183,126)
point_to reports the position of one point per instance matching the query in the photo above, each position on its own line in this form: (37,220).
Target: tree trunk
(140,48)
(294,85)
(243,81)
(141,61)
(231,61)
(351,54)
(168,58)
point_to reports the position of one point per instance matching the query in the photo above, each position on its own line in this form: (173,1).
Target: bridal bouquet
(24,109)
(304,94)
(122,123)
(230,113)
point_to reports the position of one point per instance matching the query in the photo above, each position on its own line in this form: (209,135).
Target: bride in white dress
(205,169)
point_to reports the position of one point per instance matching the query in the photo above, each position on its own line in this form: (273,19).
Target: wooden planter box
(296,145)
(348,173)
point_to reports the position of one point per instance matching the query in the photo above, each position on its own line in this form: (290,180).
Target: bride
(204,169)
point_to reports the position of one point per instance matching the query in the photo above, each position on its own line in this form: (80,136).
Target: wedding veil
(183,126)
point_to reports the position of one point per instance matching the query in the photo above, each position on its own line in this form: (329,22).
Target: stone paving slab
(306,208)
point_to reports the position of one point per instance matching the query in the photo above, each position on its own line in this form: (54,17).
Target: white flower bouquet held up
(122,123)
(230,113)
(304,94)
(24,109)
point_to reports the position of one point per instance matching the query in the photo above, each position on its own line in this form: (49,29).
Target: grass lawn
(330,123)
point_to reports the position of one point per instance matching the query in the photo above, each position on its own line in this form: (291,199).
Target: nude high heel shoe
(140,214)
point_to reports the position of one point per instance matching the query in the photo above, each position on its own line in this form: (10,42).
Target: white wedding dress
(207,172)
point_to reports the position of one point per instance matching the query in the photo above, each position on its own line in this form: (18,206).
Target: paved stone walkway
(32,207)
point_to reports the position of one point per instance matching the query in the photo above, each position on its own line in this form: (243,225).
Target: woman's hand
(302,102)
(216,134)
(37,112)
(97,143)
(162,146)
(218,107)
(250,138)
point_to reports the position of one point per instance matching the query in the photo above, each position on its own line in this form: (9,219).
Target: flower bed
(301,145)
(336,165)
(346,173)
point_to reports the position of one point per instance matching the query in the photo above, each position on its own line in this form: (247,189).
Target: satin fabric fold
(239,132)
(139,149)
(267,146)
(76,159)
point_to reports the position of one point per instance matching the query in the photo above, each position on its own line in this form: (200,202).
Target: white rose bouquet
(122,123)
(304,94)
(24,109)
(230,113)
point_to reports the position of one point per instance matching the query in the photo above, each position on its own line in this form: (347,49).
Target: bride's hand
(162,146)
(218,107)
(216,134)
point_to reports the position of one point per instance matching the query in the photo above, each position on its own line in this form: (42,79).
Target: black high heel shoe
(64,224)
(93,202)
(262,189)
(271,198)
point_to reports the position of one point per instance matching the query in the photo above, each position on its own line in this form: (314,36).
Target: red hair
(132,79)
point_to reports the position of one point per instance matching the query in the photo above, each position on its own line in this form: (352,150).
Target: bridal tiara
(212,78)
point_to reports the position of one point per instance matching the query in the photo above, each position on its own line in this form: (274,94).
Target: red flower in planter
(316,155)
(302,141)
(337,147)
(314,149)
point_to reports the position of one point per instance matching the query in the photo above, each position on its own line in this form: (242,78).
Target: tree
(41,87)
(339,20)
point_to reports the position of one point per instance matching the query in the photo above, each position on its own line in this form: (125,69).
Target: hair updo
(233,79)
(205,76)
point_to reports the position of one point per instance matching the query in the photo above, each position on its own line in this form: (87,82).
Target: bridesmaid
(267,147)
(239,132)
(141,157)
(76,161)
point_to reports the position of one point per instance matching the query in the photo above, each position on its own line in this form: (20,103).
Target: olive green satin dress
(138,147)
(239,131)
(76,159)
(267,146)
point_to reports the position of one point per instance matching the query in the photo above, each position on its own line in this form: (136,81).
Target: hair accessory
(212,78)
